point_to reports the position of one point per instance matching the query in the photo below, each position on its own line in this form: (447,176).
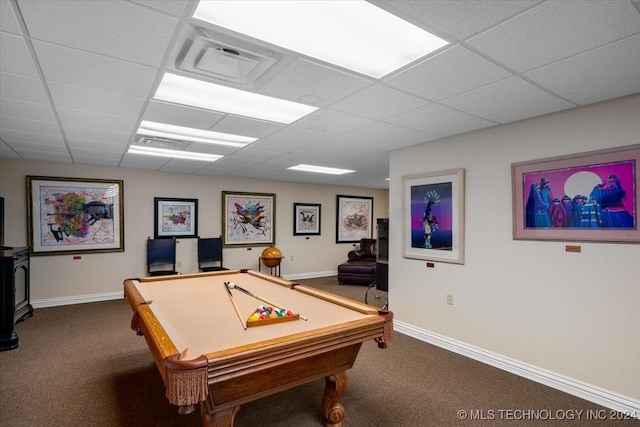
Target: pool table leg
(218,419)
(332,410)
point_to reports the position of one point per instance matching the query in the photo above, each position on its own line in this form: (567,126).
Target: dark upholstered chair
(360,269)
(161,257)
(210,254)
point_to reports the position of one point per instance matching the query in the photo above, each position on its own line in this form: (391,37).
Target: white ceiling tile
(246,126)
(139,161)
(289,139)
(73,117)
(174,7)
(183,166)
(22,89)
(429,117)
(7,152)
(97,146)
(331,121)
(44,156)
(463,127)
(303,79)
(26,110)
(24,125)
(449,73)
(531,110)
(15,57)
(602,93)
(504,95)
(569,27)
(99,72)
(608,64)
(141,35)
(97,101)
(459,18)
(93,158)
(378,102)
(8,21)
(88,133)
(384,132)
(10,136)
(181,115)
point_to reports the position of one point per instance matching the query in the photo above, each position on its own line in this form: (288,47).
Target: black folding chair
(161,257)
(210,254)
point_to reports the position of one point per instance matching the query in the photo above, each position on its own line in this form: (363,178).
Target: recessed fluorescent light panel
(210,96)
(174,154)
(320,169)
(352,34)
(163,130)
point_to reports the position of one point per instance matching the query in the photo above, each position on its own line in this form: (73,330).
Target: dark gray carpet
(81,365)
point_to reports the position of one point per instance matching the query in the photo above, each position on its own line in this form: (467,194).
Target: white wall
(61,279)
(526,304)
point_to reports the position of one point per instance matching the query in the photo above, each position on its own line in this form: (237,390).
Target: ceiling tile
(504,95)
(602,93)
(96,101)
(569,27)
(65,65)
(460,18)
(331,121)
(246,126)
(289,139)
(73,117)
(378,102)
(24,125)
(385,132)
(429,117)
(88,133)
(463,127)
(449,73)
(174,7)
(608,64)
(15,57)
(11,136)
(313,84)
(531,110)
(141,34)
(22,89)
(26,110)
(98,146)
(8,21)
(181,115)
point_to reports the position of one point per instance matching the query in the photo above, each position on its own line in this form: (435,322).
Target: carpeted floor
(82,366)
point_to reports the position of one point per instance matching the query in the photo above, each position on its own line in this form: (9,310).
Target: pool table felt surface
(199,318)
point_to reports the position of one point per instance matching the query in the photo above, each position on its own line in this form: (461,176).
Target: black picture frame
(175,217)
(307,219)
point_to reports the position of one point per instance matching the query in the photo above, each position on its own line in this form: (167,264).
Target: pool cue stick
(263,300)
(233,301)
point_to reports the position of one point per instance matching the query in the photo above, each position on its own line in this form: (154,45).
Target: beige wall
(60,279)
(526,305)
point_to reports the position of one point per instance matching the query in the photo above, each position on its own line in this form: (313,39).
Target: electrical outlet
(291,257)
(179,264)
(450,299)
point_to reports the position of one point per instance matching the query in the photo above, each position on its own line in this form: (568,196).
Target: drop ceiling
(78,77)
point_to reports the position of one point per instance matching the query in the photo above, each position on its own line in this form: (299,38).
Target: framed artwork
(588,197)
(74,215)
(306,219)
(175,217)
(248,219)
(433,216)
(354,218)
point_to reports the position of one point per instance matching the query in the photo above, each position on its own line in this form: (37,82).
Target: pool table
(207,355)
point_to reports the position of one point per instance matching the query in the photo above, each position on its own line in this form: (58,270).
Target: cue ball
(231,284)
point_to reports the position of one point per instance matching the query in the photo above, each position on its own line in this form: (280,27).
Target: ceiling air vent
(159,142)
(222,57)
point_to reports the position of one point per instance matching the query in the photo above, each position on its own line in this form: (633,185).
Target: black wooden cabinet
(16,299)
(382,260)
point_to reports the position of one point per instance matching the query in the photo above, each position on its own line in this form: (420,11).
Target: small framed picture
(306,219)
(175,217)
(354,218)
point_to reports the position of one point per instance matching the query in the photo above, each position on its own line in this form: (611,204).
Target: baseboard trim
(76,299)
(624,405)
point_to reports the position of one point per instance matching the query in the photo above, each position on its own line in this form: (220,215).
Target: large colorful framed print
(588,197)
(306,219)
(354,218)
(74,215)
(433,216)
(248,219)
(175,217)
